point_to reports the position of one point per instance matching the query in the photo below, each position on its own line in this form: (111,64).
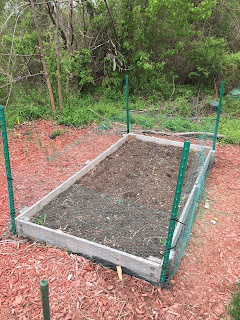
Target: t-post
(127,107)
(218,115)
(8,168)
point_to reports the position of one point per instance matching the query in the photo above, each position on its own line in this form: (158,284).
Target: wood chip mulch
(80,289)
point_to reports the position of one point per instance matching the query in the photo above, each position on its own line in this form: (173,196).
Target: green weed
(234,306)
(162,241)
(56,133)
(54,153)
(40,219)
(39,142)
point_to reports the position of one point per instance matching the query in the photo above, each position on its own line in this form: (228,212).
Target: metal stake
(45,299)
(178,191)
(8,168)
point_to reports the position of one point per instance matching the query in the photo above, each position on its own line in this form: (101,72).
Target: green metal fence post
(127,107)
(178,191)
(45,299)
(8,168)
(218,115)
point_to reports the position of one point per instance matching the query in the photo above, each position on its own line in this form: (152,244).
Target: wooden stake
(119,271)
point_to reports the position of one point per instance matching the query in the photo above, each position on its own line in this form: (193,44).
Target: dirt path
(79,289)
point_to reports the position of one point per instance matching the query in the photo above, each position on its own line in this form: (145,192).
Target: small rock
(69,276)
(207,204)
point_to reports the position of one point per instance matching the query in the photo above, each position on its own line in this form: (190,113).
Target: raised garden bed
(117,209)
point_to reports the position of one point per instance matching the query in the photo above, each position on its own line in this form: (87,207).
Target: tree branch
(21,78)
(110,15)
(51,13)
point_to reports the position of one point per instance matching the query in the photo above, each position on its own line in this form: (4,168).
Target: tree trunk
(58,58)
(69,40)
(84,24)
(43,57)
(111,18)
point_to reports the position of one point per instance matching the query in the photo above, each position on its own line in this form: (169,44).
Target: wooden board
(180,144)
(144,268)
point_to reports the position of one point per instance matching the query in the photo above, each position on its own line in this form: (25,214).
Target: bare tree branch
(110,15)
(22,78)
(52,15)
(58,58)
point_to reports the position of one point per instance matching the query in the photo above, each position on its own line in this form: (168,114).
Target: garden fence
(135,228)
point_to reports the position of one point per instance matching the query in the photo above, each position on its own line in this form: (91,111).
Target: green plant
(54,153)
(39,142)
(40,219)
(56,133)
(234,306)
(161,241)
(229,127)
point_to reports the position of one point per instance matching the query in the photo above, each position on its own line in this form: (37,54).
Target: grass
(179,115)
(234,306)
(40,219)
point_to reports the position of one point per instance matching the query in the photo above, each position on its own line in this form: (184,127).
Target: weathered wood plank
(144,268)
(166,142)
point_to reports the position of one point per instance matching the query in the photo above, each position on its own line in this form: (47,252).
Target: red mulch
(79,289)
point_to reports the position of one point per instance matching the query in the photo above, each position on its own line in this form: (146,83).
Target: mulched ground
(79,289)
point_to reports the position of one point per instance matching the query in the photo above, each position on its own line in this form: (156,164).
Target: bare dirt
(124,202)
(79,289)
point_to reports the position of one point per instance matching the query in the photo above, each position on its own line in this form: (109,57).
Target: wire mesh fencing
(130,224)
(36,179)
(190,200)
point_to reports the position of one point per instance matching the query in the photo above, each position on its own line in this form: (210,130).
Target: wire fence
(129,214)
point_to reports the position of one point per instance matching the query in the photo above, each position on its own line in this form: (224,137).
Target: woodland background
(66,59)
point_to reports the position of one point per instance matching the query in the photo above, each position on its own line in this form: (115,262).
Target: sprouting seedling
(47,155)
(162,240)
(40,220)
(30,136)
(54,154)
(26,151)
(39,142)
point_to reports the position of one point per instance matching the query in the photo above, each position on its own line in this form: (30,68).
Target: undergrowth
(185,112)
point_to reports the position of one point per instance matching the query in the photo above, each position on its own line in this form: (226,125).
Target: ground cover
(79,289)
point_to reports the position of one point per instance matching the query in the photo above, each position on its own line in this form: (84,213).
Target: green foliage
(28,105)
(209,56)
(229,127)
(40,219)
(81,67)
(175,53)
(230,107)
(56,133)
(234,306)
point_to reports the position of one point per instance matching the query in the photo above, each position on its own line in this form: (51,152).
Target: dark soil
(124,202)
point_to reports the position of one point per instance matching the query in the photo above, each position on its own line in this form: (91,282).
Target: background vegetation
(66,59)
